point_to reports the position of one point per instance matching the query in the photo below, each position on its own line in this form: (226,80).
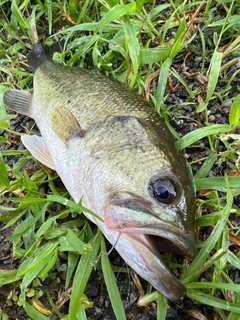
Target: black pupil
(163,191)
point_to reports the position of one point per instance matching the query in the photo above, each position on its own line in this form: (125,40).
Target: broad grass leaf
(178,39)
(8,276)
(162,81)
(212,301)
(33,313)
(206,166)
(33,266)
(17,14)
(111,284)
(154,55)
(234,114)
(207,247)
(133,48)
(156,10)
(4,182)
(200,133)
(214,74)
(139,5)
(82,275)
(71,243)
(217,183)
(115,13)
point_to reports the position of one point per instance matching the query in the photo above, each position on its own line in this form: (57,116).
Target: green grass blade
(112,288)
(73,10)
(94,26)
(162,305)
(4,182)
(115,13)
(206,166)
(71,204)
(178,39)
(72,263)
(214,74)
(8,276)
(209,300)
(133,49)
(209,285)
(217,183)
(83,12)
(152,55)
(82,275)
(81,314)
(234,114)
(33,313)
(200,133)
(209,244)
(71,243)
(162,81)
(17,14)
(139,5)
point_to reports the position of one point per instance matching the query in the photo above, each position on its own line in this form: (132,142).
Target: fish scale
(112,150)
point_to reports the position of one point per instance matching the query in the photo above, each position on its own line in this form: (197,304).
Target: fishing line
(107,253)
(128,275)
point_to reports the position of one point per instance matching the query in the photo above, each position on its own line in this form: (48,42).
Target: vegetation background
(182,56)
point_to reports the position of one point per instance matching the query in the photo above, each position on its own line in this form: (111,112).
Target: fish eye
(163,190)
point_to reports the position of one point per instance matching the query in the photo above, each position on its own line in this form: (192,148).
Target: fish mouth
(143,252)
(143,240)
(183,245)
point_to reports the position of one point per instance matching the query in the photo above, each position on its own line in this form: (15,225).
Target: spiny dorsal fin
(18,100)
(65,125)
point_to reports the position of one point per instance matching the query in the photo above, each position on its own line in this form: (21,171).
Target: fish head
(150,202)
(153,219)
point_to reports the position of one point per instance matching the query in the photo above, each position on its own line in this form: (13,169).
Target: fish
(114,152)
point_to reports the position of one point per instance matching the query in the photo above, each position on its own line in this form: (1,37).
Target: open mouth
(143,254)
(163,245)
(145,233)
(159,245)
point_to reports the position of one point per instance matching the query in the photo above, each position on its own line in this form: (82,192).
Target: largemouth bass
(112,150)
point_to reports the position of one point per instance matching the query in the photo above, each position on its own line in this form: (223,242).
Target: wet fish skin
(111,148)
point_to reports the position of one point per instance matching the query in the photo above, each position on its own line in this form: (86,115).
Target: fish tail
(39,53)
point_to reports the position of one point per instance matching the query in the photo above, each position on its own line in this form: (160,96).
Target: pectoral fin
(38,149)
(19,101)
(65,125)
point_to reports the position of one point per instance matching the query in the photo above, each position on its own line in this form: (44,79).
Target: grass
(136,43)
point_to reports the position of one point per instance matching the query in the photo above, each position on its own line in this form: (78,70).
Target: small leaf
(154,55)
(139,4)
(17,14)
(133,48)
(214,74)
(4,182)
(115,13)
(33,313)
(162,81)
(234,114)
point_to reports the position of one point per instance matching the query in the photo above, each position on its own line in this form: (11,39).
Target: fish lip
(152,266)
(183,244)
